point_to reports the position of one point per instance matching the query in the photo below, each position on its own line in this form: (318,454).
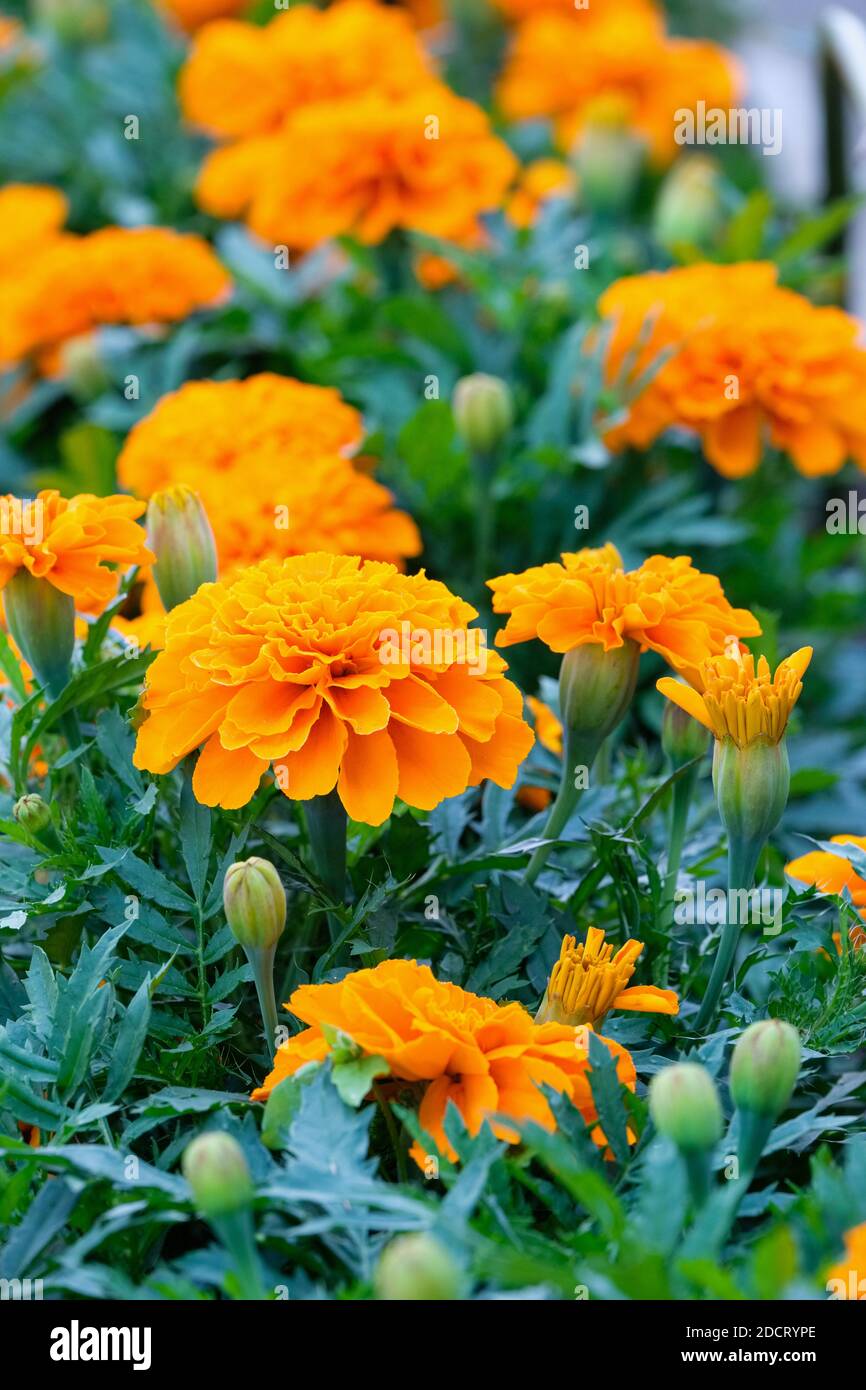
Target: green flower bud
(683,738)
(82,364)
(751,786)
(685,1106)
(765,1066)
(483,411)
(254,900)
(216,1169)
(32,813)
(417,1268)
(180,536)
(689,210)
(608,157)
(42,622)
(596,688)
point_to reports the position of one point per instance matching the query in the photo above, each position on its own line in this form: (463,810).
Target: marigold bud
(765,1066)
(180,536)
(32,813)
(608,157)
(217,1171)
(254,900)
(689,209)
(42,622)
(685,1106)
(683,738)
(417,1268)
(751,786)
(483,411)
(596,688)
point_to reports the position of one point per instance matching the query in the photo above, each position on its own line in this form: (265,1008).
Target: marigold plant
(743,362)
(338,672)
(488,1059)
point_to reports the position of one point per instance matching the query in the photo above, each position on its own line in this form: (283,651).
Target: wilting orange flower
(140,276)
(739,360)
(851,1270)
(31,215)
(190,14)
(539,181)
(267,458)
(428,162)
(489,1059)
(339,672)
(563,62)
(742,701)
(81,545)
(832,873)
(245,79)
(665,606)
(588,981)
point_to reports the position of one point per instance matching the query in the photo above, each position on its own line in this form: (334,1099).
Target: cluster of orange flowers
(489,1060)
(55,286)
(569,64)
(666,606)
(340,673)
(337,125)
(741,361)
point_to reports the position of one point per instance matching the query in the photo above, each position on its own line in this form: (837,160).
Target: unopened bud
(596,688)
(254,900)
(483,411)
(217,1171)
(32,813)
(417,1268)
(42,621)
(751,786)
(683,738)
(608,156)
(765,1066)
(685,1106)
(180,536)
(689,209)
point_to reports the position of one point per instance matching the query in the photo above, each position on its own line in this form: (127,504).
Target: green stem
(697,1166)
(202,976)
(681,800)
(393,1132)
(235,1230)
(743,858)
(484,469)
(326,828)
(578,752)
(262,962)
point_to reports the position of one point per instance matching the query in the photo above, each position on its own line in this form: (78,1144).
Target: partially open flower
(740,701)
(589,980)
(340,673)
(182,541)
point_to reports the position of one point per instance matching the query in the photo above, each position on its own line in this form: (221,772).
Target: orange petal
(647,999)
(687,699)
(368,777)
(226,777)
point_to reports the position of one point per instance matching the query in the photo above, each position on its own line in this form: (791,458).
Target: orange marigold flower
(81,545)
(665,605)
(850,1272)
(267,458)
(741,361)
(30,216)
(191,14)
(489,1059)
(313,180)
(832,873)
(140,276)
(245,79)
(540,181)
(339,672)
(742,701)
(562,63)
(588,981)
(595,13)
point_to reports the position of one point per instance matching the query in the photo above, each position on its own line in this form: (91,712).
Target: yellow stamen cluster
(746,703)
(587,979)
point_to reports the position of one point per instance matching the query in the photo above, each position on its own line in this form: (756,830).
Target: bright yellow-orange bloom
(539,181)
(831,873)
(851,1270)
(739,360)
(267,456)
(562,63)
(191,14)
(429,162)
(588,981)
(245,79)
(665,606)
(487,1058)
(339,672)
(741,701)
(593,12)
(31,215)
(81,545)
(139,276)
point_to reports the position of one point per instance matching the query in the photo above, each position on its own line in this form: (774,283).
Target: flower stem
(262,962)
(743,858)
(393,1132)
(326,828)
(235,1230)
(578,752)
(681,801)
(484,469)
